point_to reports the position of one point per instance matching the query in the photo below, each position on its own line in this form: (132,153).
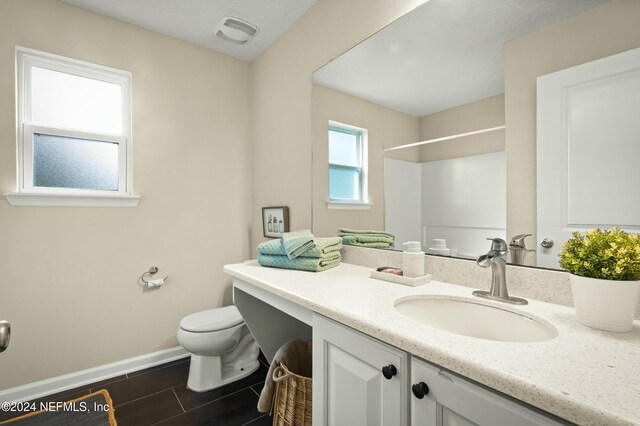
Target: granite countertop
(583,375)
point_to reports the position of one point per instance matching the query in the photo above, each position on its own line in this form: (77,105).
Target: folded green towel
(366,238)
(371,245)
(298,242)
(346,231)
(312,264)
(377,239)
(323,246)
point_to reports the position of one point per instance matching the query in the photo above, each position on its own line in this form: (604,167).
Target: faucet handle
(498,245)
(518,241)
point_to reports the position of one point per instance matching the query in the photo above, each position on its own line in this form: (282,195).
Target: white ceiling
(195,21)
(443,54)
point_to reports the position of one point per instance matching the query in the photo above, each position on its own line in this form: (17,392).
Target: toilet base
(207,372)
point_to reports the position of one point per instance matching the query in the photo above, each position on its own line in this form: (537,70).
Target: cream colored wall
(385,128)
(282,171)
(600,32)
(477,115)
(69,275)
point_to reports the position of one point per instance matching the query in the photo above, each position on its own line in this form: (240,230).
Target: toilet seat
(212,320)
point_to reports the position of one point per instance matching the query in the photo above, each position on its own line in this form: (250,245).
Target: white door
(588,150)
(357,381)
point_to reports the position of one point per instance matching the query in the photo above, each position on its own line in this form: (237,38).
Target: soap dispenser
(413,260)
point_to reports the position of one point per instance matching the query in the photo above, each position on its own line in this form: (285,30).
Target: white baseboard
(84,377)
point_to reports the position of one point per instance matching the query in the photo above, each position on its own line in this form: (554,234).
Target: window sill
(348,205)
(63,200)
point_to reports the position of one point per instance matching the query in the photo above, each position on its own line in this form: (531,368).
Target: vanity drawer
(452,400)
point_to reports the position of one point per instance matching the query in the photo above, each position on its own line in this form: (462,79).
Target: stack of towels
(301,250)
(376,239)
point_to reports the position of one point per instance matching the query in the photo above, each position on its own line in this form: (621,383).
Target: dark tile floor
(159,396)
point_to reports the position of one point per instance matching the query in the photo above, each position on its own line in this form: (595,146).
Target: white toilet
(222,348)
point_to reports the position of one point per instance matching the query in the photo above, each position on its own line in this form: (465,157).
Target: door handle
(547,243)
(5,335)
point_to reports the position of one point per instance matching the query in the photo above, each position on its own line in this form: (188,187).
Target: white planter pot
(605,304)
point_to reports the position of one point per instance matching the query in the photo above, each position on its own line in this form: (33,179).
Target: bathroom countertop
(583,375)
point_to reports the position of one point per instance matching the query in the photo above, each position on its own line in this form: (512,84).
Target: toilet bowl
(222,348)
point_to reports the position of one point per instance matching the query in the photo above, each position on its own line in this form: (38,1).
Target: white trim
(25,199)
(364,134)
(346,126)
(348,205)
(84,377)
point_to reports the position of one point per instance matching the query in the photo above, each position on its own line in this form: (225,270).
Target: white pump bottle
(413,260)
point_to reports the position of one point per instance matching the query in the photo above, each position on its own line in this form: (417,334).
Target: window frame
(362,139)
(27,193)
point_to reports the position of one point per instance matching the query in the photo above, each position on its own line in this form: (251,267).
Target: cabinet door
(349,387)
(454,401)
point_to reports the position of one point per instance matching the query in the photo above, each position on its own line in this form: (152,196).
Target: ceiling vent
(236,30)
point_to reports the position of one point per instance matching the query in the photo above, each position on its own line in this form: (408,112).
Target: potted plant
(605,277)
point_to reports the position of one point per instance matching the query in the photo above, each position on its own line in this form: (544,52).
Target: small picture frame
(275,221)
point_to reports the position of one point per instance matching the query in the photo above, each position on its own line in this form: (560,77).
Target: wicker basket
(292,400)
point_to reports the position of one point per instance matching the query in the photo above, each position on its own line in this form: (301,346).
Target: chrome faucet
(496,258)
(518,249)
(518,241)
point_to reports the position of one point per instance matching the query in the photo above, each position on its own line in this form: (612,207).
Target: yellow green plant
(609,254)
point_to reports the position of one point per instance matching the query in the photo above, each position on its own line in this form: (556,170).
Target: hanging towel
(313,264)
(296,355)
(323,246)
(298,242)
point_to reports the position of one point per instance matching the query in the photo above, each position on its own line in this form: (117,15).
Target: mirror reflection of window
(347,163)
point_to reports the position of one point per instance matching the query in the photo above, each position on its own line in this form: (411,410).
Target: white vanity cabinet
(357,380)
(444,399)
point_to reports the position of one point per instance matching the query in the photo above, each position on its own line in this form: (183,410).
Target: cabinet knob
(420,390)
(389,371)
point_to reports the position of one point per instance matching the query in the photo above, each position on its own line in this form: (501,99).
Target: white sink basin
(469,318)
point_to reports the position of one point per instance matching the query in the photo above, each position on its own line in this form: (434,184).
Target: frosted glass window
(344,184)
(74,102)
(74,130)
(345,164)
(65,162)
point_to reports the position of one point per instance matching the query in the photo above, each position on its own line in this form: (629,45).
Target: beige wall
(385,128)
(281,88)
(600,32)
(474,116)
(69,275)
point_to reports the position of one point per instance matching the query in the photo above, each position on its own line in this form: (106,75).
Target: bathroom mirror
(448,68)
